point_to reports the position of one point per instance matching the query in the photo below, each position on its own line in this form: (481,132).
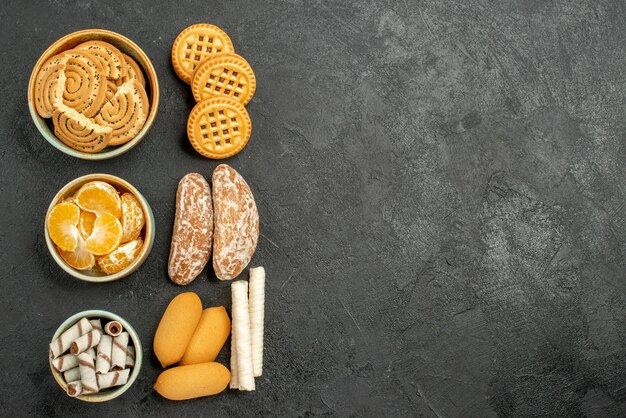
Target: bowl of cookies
(93,94)
(95,356)
(99,228)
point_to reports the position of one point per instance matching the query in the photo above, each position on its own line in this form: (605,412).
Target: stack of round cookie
(94,94)
(222,83)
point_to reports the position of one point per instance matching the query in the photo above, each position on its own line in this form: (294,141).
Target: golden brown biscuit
(49,85)
(79,132)
(219,127)
(110,57)
(224,74)
(85,84)
(195,44)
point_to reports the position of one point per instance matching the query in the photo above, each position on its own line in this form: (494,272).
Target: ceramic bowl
(97,276)
(126,46)
(111,393)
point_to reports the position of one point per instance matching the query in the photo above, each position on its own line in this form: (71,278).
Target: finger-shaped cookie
(224,74)
(219,127)
(195,44)
(49,85)
(79,132)
(109,56)
(125,113)
(85,86)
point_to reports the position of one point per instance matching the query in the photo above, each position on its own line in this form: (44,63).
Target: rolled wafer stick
(130,357)
(87,373)
(241,330)
(64,363)
(113,328)
(74,388)
(103,359)
(256,307)
(116,378)
(87,341)
(234,379)
(72,375)
(61,344)
(118,353)
(96,324)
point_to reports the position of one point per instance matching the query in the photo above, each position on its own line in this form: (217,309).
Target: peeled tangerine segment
(80,258)
(62,222)
(99,197)
(193,381)
(209,337)
(176,328)
(106,235)
(121,258)
(132,217)
(85,223)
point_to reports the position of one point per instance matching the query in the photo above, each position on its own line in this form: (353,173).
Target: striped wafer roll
(130,357)
(85,84)
(49,85)
(61,344)
(87,373)
(72,375)
(116,378)
(78,131)
(126,112)
(87,341)
(118,353)
(66,362)
(111,59)
(256,307)
(96,324)
(113,328)
(74,388)
(241,331)
(103,359)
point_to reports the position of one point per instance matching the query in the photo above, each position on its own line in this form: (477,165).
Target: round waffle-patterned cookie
(125,113)
(224,74)
(219,127)
(110,57)
(78,131)
(195,44)
(49,85)
(85,85)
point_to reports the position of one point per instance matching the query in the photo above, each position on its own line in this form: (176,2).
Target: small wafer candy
(85,342)
(110,58)
(224,74)
(113,328)
(74,388)
(125,113)
(118,353)
(116,378)
(73,374)
(85,85)
(241,331)
(96,324)
(63,343)
(256,307)
(103,359)
(79,132)
(49,85)
(195,44)
(66,362)
(87,373)
(130,357)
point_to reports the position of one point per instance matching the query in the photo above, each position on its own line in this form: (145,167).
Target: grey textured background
(442,199)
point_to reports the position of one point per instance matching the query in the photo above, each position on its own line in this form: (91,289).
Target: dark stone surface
(441,186)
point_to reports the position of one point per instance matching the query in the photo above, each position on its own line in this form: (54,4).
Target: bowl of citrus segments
(99,228)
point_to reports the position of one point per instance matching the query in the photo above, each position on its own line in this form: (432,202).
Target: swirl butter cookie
(195,44)
(224,74)
(78,131)
(219,127)
(110,57)
(125,113)
(49,85)
(85,84)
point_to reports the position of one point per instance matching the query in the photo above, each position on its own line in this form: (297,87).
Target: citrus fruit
(85,223)
(106,235)
(61,223)
(80,258)
(132,217)
(121,258)
(99,197)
